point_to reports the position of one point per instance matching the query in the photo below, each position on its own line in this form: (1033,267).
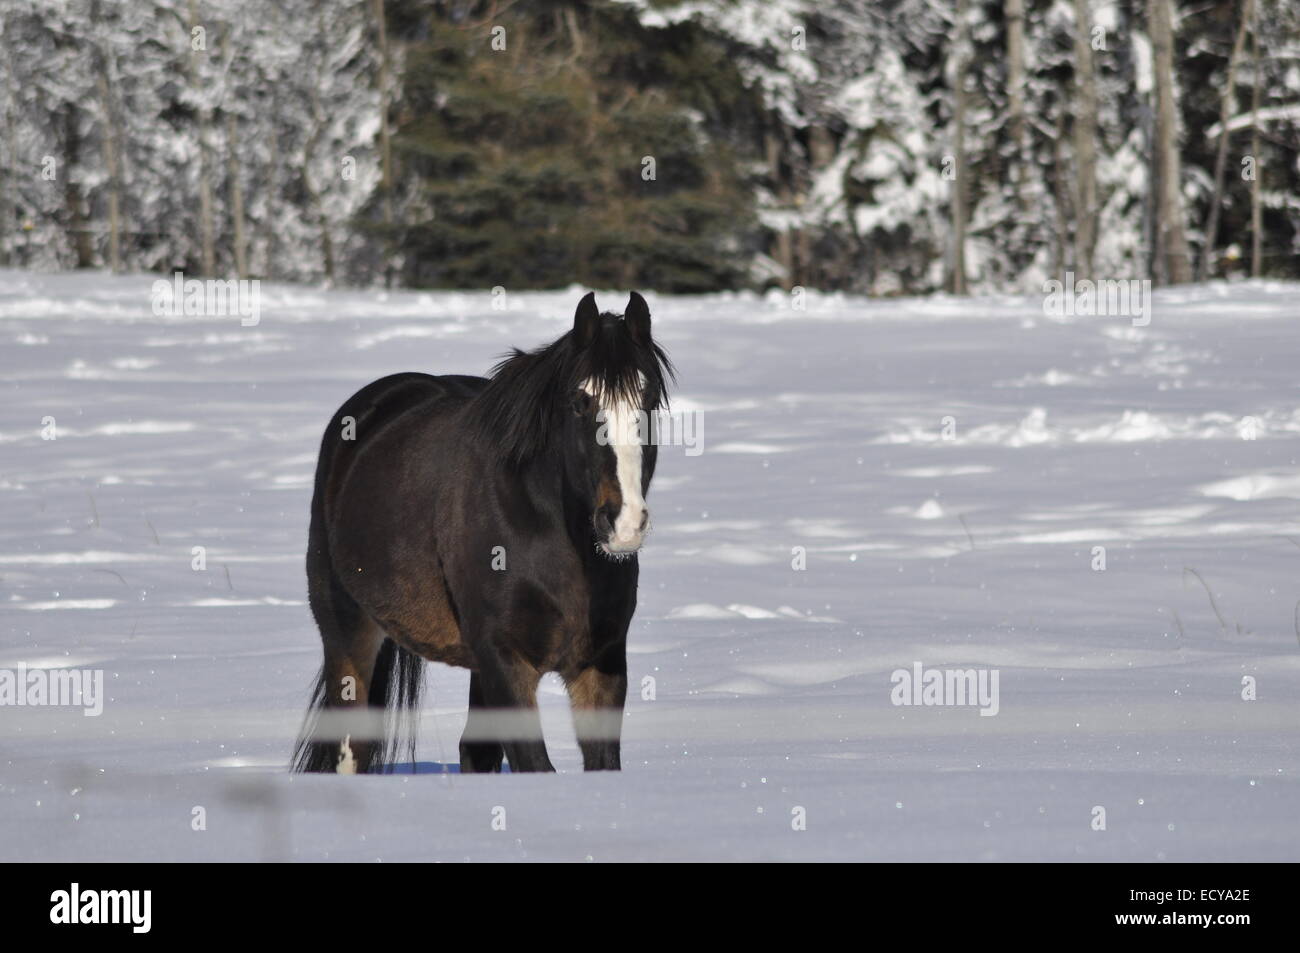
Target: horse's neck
(573,504)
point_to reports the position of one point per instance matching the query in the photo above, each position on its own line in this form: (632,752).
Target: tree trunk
(1061,191)
(1147,122)
(111,162)
(313,193)
(7,145)
(385,142)
(111,139)
(821,147)
(784,251)
(206,238)
(575,34)
(1085,143)
(957,276)
(1221,157)
(1173,257)
(236,196)
(74,199)
(1256,209)
(8,159)
(240,249)
(1015,16)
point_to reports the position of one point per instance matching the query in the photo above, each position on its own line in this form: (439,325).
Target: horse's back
(388,397)
(367,412)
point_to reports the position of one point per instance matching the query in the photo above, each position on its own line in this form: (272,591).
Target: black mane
(518,408)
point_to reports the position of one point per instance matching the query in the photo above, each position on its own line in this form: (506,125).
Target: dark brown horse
(491,523)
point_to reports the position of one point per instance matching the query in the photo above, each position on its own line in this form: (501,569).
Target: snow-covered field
(964,543)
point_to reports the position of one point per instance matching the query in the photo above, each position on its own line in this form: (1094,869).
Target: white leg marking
(347,764)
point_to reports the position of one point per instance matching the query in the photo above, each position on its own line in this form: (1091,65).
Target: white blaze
(621,422)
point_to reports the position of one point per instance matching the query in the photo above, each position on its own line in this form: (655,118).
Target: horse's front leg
(597,695)
(509,715)
(476,755)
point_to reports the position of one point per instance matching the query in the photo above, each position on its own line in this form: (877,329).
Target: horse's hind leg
(349,668)
(478,755)
(351,641)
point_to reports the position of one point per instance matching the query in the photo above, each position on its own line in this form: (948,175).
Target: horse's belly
(422,622)
(435,638)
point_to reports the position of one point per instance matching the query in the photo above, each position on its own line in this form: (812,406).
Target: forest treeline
(879,146)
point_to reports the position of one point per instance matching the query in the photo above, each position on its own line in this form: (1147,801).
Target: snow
(759,691)
(1247,120)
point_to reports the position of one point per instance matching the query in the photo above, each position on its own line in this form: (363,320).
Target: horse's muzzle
(621,533)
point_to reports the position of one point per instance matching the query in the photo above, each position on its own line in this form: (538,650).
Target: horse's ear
(586,318)
(637,316)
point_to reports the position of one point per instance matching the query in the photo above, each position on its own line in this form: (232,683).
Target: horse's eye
(582,403)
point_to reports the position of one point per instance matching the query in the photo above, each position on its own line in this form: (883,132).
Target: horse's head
(616,385)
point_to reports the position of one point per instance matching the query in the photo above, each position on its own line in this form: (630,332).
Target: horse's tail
(394,690)
(310,753)
(395,687)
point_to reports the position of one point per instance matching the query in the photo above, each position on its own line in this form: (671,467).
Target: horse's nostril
(645,518)
(605,517)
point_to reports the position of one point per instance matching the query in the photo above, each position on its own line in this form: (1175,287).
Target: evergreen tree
(558,143)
